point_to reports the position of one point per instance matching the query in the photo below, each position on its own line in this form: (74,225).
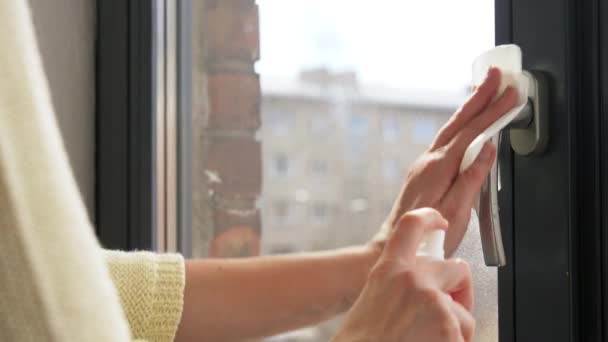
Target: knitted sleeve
(151,290)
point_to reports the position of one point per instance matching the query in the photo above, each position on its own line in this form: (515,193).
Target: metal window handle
(489,217)
(529,136)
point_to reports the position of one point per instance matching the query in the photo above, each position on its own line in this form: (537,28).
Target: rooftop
(322,85)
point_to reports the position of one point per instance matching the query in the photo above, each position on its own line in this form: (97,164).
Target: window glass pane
(358,125)
(278,123)
(280,165)
(320,213)
(424,131)
(280,212)
(306,147)
(318,168)
(390,128)
(319,124)
(391,170)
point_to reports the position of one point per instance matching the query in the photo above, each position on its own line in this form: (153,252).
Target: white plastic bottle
(431,246)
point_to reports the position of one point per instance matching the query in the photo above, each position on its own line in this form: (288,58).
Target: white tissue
(507,58)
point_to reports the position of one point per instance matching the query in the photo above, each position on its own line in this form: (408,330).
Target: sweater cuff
(168,298)
(151,289)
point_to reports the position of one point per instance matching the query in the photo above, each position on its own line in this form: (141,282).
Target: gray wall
(65,31)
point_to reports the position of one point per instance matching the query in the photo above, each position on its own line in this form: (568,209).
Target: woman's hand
(408,301)
(434,180)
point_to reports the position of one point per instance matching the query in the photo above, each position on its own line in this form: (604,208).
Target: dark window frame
(125,148)
(554,287)
(130,58)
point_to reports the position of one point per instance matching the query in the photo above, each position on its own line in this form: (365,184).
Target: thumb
(406,236)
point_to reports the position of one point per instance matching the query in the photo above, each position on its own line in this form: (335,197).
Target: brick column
(230,168)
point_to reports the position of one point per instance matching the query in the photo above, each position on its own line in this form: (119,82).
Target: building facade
(335,155)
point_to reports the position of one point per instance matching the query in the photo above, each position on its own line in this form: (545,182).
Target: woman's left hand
(434,180)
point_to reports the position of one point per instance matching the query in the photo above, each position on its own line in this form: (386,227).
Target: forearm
(232,300)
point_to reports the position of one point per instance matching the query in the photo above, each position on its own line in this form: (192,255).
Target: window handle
(488,212)
(528,133)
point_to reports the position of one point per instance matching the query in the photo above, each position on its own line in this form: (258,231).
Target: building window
(358,131)
(358,125)
(281,212)
(319,124)
(280,165)
(390,129)
(279,122)
(357,147)
(391,169)
(319,213)
(424,131)
(318,168)
(281,249)
(358,205)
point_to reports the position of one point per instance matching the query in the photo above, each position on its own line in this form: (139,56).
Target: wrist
(361,259)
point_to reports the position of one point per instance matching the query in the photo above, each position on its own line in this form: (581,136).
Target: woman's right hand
(408,301)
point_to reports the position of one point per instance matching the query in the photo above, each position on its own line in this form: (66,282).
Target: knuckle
(449,329)
(410,279)
(468,327)
(380,271)
(433,298)
(448,326)
(409,219)
(445,128)
(450,209)
(475,172)
(463,268)
(443,152)
(453,146)
(434,159)
(429,161)
(444,133)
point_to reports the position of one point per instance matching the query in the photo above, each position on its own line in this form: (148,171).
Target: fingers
(465,319)
(454,321)
(460,198)
(467,185)
(453,277)
(462,140)
(481,98)
(405,238)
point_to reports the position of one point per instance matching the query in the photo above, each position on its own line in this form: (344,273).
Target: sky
(403,44)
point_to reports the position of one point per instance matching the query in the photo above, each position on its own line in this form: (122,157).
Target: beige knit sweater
(55,284)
